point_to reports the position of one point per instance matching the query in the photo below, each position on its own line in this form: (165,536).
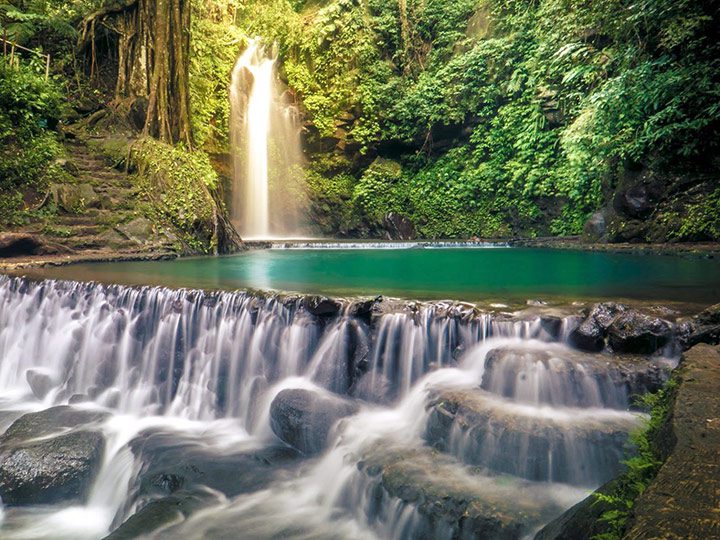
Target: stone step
(582,447)
(70,220)
(110,239)
(556,375)
(74,231)
(446,499)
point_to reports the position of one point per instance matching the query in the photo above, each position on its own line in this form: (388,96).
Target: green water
(491,274)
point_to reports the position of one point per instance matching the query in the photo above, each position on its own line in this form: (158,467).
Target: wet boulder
(40,382)
(551,327)
(637,333)
(161,513)
(398,227)
(50,456)
(703,328)
(320,306)
(303,418)
(582,521)
(590,334)
(364,308)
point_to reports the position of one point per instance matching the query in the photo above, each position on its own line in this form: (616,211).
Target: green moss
(701,220)
(175,185)
(379,190)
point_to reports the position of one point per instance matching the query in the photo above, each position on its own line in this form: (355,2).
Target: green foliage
(521,114)
(29,105)
(176,185)
(377,191)
(701,221)
(641,468)
(26,20)
(214,49)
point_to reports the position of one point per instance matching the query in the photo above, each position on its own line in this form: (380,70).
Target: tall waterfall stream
(459,424)
(265,144)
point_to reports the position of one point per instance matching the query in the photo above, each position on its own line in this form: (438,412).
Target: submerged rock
(303,418)
(49,457)
(446,501)
(170,465)
(160,513)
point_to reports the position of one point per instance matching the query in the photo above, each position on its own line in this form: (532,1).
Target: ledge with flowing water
(176,381)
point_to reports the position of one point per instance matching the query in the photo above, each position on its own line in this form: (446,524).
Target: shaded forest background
(429,118)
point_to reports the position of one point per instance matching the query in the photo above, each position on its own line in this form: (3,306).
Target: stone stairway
(97,210)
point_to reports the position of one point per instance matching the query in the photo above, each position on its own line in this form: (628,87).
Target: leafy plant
(641,467)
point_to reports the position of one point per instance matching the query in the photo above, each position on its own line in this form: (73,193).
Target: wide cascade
(269,416)
(265,144)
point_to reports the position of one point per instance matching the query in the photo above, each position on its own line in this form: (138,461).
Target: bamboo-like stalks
(15,62)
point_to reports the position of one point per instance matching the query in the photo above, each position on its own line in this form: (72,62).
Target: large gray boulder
(303,418)
(50,456)
(74,198)
(637,333)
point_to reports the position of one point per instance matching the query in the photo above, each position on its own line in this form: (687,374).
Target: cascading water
(265,142)
(187,375)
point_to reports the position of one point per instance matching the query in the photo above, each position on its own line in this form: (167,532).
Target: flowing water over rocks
(237,414)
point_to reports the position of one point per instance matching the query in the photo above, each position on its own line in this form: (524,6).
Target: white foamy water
(203,369)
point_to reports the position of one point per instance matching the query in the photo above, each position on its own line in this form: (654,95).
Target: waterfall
(203,356)
(493,408)
(267,198)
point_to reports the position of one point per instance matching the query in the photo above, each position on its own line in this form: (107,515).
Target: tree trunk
(154,61)
(168,114)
